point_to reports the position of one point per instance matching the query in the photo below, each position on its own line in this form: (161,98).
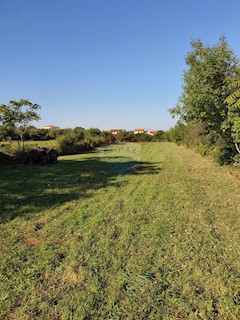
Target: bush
(228,153)
(217,154)
(236,159)
(143,137)
(68,144)
(203,149)
(220,154)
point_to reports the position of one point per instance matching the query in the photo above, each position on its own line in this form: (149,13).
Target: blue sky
(106,63)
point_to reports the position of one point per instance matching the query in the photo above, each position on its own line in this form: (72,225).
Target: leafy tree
(143,137)
(233,120)
(79,131)
(234,98)
(207,85)
(68,143)
(159,136)
(93,132)
(178,133)
(18,115)
(6,133)
(51,134)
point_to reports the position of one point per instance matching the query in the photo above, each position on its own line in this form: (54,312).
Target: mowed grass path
(135,231)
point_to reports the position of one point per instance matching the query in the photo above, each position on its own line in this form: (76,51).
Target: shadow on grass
(27,190)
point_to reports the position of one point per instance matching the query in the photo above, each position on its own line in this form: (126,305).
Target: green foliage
(236,159)
(159,136)
(207,87)
(203,149)
(216,148)
(233,99)
(68,144)
(123,135)
(18,114)
(143,137)
(73,141)
(207,84)
(69,141)
(232,122)
(80,132)
(216,153)
(92,132)
(177,134)
(7,133)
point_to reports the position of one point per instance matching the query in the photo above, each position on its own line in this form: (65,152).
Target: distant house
(50,126)
(114,131)
(137,131)
(151,132)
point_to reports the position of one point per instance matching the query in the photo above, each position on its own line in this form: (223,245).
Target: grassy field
(134,231)
(13,145)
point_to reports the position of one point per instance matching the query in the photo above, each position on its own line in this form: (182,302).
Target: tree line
(15,119)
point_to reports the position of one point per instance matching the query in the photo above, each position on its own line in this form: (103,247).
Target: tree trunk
(22,141)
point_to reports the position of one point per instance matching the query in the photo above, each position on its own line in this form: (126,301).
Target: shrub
(217,154)
(236,159)
(203,149)
(68,144)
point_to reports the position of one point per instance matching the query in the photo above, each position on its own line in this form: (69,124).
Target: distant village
(135,131)
(114,131)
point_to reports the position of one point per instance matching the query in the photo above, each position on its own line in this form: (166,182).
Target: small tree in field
(18,115)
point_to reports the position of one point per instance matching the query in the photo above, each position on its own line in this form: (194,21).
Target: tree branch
(237,147)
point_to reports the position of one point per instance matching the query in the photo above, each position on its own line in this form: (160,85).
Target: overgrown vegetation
(209,102)
(130,231)
(67,141)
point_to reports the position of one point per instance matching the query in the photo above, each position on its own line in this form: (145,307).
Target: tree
(233,119)
(234,98)
(207,85)
(6,133)
(79,131)
(18,115)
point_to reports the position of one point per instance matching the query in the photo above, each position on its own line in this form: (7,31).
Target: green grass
(134,231)
(13,145)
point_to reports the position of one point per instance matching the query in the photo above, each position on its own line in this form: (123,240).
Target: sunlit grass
(134,231)
(14,145)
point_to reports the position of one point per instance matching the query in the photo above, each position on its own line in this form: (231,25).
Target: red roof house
(136,131)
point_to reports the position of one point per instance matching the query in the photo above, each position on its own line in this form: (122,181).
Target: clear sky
(106,63)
